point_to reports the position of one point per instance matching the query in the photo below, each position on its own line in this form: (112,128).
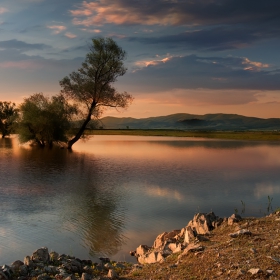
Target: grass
(230,135)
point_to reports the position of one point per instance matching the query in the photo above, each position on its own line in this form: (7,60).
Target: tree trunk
(82,128)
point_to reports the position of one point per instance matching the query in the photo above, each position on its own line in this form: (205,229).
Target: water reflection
(6,143)
(113,193)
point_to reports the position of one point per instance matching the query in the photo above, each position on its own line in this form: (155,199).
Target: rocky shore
(209,247)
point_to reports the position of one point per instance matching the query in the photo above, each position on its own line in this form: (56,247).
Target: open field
(240,135)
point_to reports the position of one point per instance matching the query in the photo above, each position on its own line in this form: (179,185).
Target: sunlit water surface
(113,193)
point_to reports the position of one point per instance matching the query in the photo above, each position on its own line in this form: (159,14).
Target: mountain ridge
(185,121)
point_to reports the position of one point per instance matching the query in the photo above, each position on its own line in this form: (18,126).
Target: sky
(183,56)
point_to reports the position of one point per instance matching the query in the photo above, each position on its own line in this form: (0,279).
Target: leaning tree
(91,86)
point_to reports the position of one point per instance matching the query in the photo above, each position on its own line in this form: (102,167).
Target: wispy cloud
(124,12)
(91,30)
(254,65)
(194,72)
(164,12)
(70,35)
(146,63)
(213,38)
(3,10)
(23,65)
(57,28)
(21,46)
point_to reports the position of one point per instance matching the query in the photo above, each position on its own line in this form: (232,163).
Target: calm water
(113,193)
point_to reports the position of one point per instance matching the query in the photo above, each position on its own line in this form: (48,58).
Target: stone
(162,238)
(240,232)
(189,235)
(270,271)
(88,269)
(54,256)
(41,255)
(234,218)
(254,271)
(86,276)
(75,265)
(253,250)
(181,235)
(142,250)
(120,265)
(43,277)
(193,248)
(16,264)
(104,260)
(240,272)
(7,270)
(112,274)
(27,261)
(202,223)
(152,257)
(23,270)
(70,277)
(62,272)
(108,266)
(3,276)
(51,269)
(175,247)
(201,238)
(274,259)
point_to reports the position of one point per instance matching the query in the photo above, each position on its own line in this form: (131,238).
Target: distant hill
(193,122)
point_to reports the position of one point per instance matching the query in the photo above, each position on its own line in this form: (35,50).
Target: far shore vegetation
(230,135)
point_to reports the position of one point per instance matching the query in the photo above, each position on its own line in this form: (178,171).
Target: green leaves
(91,85)
(45,120)
(8,117)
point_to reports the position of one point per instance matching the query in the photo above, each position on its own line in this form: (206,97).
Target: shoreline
(208,247)
(226,135)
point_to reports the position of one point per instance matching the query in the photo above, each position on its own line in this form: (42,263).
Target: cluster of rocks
(184,240)
(42,265)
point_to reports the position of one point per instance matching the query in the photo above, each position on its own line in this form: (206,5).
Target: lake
(113,193)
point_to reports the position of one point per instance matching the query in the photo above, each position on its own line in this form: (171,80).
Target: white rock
(240,232)
(112,274)
(254,271)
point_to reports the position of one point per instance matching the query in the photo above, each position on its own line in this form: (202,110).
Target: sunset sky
(183,56)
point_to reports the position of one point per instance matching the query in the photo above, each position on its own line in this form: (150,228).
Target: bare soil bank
(248,256)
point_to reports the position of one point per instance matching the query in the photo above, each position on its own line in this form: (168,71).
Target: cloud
(3,10)
(196,72)
(15,58)
(70,35)
(200,97)
(57,28)
(147,63)
(91,30)
(36,28)
(23,65)
(212,38)
(21,46)
(181,12)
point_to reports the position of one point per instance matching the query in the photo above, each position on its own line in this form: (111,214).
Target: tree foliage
(45,120)
(8,117)
(91,86)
